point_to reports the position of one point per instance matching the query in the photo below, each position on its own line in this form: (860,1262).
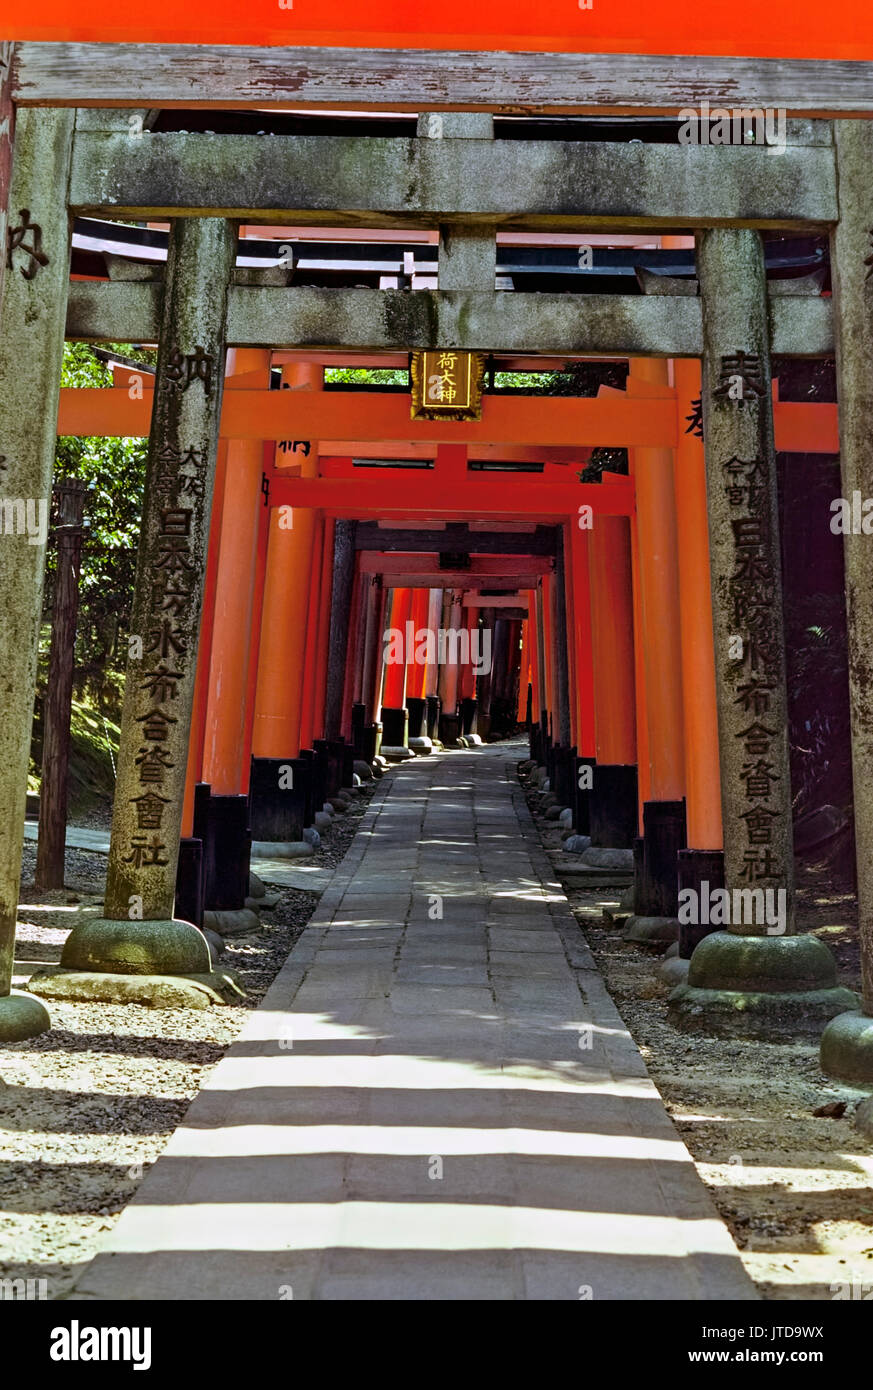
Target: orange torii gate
(268,590)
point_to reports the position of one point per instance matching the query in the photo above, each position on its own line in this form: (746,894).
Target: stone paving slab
(429,1107)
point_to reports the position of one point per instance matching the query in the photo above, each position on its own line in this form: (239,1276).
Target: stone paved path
(437,1098)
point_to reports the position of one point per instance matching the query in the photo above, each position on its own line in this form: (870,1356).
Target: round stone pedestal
(847,1047)
(770,987)
(169,947)
(21,1017)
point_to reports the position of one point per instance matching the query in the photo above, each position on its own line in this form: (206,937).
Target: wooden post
(70,495)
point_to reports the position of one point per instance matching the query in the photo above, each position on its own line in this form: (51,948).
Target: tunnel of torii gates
(268,575)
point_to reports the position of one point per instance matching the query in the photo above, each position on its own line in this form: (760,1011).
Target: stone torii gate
(454,175)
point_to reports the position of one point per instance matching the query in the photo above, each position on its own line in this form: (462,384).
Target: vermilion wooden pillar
(395,722)
(658,556)
(315,666)
(269,449)
(660,733)
(394,688)
(285,611)
(703,860)
(204,646)
(523,672)
(584,662)
(614,795)
(240,522)
(449,672)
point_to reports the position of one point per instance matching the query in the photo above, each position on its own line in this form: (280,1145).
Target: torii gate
(465,182)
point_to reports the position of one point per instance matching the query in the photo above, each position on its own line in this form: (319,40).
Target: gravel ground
(796,1190)
(88,1106)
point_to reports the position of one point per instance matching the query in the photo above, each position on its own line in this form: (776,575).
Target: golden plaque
(447,385)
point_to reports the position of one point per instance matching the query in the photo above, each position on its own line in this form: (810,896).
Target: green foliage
(114,473)
(366,376)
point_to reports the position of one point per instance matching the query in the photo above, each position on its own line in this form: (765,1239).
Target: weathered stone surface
(392,319)
(283,849)
(232,922)
(751,1014)
(256,886)
(853,305)
(673,971)
(31,346)
(195,991)
(21,1017)
(863,1117)
(150,947)
(759,986)
(651,929)
(577,844)
(159,688)
(847,1047)
(363,770)
(557,182)
(597,857)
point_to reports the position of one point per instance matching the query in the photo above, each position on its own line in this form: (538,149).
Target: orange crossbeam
(611,419)
(518,420)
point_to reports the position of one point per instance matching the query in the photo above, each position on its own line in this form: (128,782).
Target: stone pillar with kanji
(754,976)
(138,935)
(847,1042)
(31,351)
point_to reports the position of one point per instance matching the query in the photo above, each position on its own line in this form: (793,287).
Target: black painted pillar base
(467,715)
(433,716)
(327,751)
(613,813)
(279,789)
(189,882)
(359,724)
(449,728)
(696,868)
(227,851)
(582,795)
(317,782)
(347,762)
(564,764)
(395,727)
(417,711)
(535,743)
(371,742)
(656,883)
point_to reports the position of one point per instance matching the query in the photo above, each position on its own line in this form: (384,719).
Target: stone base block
(195,991)
(168,947)
(270,901)
(771,987)
(397,753)
(22,1017)
(257,888)
(281,849)
(232,923)
(577,844)
(654,930)
(599,858)
(847,1048)
(673,970)
(863,1117)
(422,746)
